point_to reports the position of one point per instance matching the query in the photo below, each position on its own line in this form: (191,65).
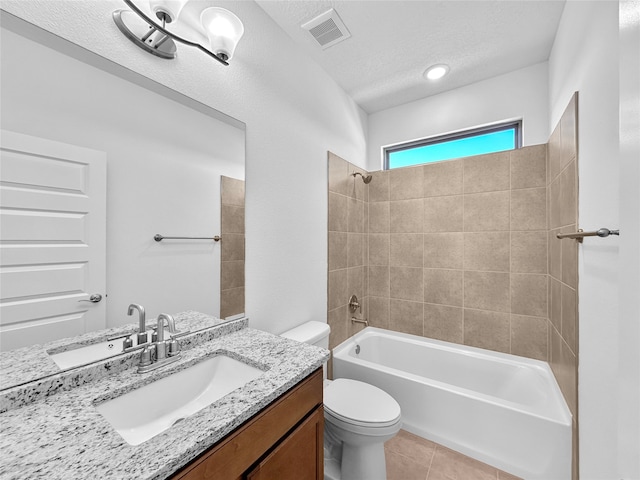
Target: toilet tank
(315,333)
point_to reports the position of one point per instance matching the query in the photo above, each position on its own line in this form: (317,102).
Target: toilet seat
(360,404)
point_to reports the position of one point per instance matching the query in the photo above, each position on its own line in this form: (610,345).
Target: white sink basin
(144,413)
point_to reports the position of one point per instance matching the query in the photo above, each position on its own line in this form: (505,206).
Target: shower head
(365,179)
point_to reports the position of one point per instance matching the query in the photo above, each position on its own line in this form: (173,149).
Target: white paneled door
(52,240)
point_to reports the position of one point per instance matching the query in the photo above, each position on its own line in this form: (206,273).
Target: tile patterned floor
(410,457)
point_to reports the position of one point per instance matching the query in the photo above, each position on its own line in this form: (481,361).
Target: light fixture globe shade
(171,8)
(224,30)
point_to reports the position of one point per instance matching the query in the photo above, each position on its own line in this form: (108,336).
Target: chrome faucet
(161,352)
(142,327)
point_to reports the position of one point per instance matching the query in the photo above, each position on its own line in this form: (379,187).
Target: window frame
(471,132)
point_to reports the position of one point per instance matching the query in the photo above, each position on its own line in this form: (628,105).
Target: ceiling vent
(327,28)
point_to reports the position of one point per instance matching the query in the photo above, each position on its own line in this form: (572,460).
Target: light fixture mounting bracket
(144,35)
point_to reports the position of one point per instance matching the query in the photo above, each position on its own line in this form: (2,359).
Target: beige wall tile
(443,287)
(443,178)
(339,179)
(405,316)
(231,302)
(355,216)
(378,314)
(337,250)
(379,248)
(405,183)
(356,188)
(486,212)
(378,281)
(565,368)
(555,303)
(529,294)
(569,258)
(488,330)
(379,217)
(486,173)
(486,291)
(231,191)
(232,247)
(554,152)
(570,317)
(486,251)
(554,204)
(406,249)
(406,283)
(379,186)
(231,219)
(443,250)
(568,195)
(529,209)
(529,167)
(337,289)
(338,322)
(529,337)
(355,283)
(406,216)
(443,323)
(568,132)
(232,274)
(555,254)
(355,249)
(337,212)
(443,214)
(529,252)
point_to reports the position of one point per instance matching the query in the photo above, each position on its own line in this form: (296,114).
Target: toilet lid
(360,403)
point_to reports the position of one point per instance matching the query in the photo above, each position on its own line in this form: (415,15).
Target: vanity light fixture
(155,25)
(436,72)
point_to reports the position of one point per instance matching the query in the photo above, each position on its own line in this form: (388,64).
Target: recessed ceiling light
(436,71)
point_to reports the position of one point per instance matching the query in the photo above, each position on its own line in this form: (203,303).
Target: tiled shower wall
(347,246)
(232,247)
(455,251)
(562,167)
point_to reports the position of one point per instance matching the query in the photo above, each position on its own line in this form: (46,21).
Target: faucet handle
(142,338)
(127,343)
(174,347)
(145,357)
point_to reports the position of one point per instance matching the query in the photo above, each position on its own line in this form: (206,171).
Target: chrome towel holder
(580,234)
(158,238)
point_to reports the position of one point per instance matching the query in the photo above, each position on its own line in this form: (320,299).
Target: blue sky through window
(462,147)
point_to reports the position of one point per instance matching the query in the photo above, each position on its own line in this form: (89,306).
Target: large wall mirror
(166,159)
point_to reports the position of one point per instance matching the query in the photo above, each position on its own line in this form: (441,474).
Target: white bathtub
(501,409)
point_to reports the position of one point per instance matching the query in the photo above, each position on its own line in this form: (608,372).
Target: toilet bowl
(359,418)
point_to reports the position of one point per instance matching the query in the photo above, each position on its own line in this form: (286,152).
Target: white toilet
(359,418)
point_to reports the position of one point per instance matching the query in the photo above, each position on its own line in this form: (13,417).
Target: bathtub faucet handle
(354,304)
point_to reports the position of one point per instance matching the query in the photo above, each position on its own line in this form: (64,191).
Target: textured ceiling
(393,42)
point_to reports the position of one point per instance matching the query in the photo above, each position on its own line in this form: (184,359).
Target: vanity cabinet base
(284,442)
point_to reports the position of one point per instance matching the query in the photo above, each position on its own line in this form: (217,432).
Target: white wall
(585,59)
(519,94)
(162,177)
(293,113)
(629,265)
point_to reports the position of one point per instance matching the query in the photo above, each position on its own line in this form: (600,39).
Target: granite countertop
(30,363)
(63,436)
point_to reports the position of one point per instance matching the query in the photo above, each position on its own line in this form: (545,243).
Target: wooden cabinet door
(299,456)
